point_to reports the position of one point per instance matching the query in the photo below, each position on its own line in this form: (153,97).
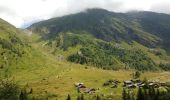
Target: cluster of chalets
(140,83)
(130,84)
(82,87)
(134,83)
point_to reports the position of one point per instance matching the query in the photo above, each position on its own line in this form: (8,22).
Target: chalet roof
(128,82)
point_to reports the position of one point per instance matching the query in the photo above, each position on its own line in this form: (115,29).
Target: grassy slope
(55,79)
(63,84)
(51,78)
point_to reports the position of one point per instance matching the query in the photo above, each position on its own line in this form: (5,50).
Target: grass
(59,82)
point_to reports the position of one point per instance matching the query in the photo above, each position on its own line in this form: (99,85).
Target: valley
(104,46)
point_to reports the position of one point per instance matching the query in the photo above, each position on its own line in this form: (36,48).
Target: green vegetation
(68,50)
(104,39)
(9,90)
(152,94)
(109,57)
(165,67)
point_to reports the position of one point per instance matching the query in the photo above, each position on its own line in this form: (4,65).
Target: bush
(165,67)
(106,56)
(9,90)
(136,75)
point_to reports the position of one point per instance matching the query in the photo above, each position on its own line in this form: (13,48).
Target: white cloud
(161,7)
(24,12)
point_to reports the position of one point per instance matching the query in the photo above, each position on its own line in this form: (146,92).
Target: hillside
(108,40)
(40,67)
(19,57)
(12,47)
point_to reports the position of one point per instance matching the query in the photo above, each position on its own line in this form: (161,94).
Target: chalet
(114,86)
(141,84)
(162,83)
(131,86)
(128,82)
(116,81)
(152,84)
(110,81)
(79,85)
(90,90)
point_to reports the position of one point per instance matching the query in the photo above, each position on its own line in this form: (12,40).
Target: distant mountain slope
(157,24)
(100,23)
(95,36)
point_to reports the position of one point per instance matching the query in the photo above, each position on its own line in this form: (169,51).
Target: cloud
(6,10)
(10,15)
(74,6)
(24,12)
(161,7)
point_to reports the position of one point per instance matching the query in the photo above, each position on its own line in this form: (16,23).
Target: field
(58,82)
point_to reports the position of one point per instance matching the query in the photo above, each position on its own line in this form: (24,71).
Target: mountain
(109,40)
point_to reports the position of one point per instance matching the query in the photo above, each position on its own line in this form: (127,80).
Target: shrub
(9,90)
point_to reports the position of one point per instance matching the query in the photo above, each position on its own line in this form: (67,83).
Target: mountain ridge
(112,27)
(103,28)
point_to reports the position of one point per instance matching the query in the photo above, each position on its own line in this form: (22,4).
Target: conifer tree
(124,95)
(78,97)
(23,95)
(132,96)
(128,95)
(82,97)
(157,94)
(98,97)
(68,97)
(140,95)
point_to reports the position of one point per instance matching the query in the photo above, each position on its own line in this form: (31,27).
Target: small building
(128,82)
(114,86)
(90,90)
(81,86)
(154,85)
(142,85)
(116,81)
(131,86)
(78,84)
(162,83)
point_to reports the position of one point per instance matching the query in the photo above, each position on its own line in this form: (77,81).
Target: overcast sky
(23,12)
